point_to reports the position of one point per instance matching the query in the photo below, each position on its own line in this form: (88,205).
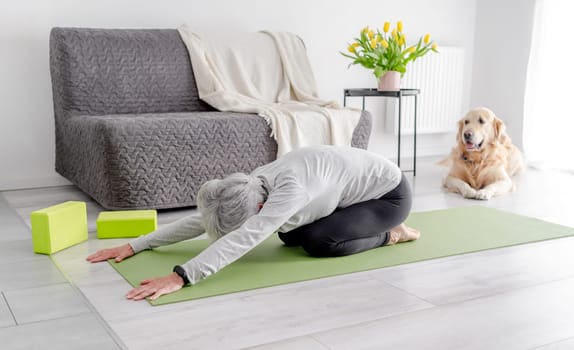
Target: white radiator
(440,80)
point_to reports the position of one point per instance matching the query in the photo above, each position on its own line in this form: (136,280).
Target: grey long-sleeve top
(303,185)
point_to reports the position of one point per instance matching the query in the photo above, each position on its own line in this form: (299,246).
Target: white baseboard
(7,184)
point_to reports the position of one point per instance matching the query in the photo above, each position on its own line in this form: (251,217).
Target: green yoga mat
(444,233)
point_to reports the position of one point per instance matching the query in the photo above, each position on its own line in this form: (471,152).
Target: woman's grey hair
(226,204)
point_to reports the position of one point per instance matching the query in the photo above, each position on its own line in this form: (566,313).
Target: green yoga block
(126,224)
(59,227)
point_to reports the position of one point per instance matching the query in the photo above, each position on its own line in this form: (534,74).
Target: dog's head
(478,128)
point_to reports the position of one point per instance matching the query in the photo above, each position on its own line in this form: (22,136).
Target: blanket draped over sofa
(130,129)
(268,73)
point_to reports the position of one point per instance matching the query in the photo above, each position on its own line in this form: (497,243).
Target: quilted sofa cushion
(160,160)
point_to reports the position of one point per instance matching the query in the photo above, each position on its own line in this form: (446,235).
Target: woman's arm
(182,229)
(282,203)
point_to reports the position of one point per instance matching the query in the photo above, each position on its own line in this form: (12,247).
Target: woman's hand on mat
(156,287)
(117,253)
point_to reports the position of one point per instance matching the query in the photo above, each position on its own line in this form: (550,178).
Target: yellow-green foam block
(126,223)
(59,227)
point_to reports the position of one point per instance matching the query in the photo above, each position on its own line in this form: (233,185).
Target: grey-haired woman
(331,201)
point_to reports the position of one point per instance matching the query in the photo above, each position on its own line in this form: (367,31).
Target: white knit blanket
(268,73)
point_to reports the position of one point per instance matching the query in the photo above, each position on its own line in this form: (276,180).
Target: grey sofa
(130,129)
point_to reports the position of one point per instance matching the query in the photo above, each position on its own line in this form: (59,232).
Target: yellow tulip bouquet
(382,51)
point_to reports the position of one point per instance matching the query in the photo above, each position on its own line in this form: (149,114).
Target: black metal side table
(395,94)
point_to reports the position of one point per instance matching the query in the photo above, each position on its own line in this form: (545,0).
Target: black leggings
(356,228)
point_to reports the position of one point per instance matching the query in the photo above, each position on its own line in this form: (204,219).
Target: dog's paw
(468,193)
(484,194)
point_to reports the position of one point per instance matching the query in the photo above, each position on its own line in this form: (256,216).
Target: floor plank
(11,225)
(306,343)
(519,319)
(80,332)
(470,276)
(275,315)
(30,273)
(567,344)
(45,303)
(18,250)
(6,317)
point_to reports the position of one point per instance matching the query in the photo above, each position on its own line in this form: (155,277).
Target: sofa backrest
(113,71)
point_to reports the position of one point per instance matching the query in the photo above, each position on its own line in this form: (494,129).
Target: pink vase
(390,81)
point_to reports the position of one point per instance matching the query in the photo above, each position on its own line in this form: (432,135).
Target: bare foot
(403,233)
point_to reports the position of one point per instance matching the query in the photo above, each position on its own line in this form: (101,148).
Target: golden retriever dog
(484,159)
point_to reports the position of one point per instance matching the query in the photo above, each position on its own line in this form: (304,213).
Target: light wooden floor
(520,297)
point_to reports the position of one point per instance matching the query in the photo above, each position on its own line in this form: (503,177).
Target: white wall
(26,121)
(502,47)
